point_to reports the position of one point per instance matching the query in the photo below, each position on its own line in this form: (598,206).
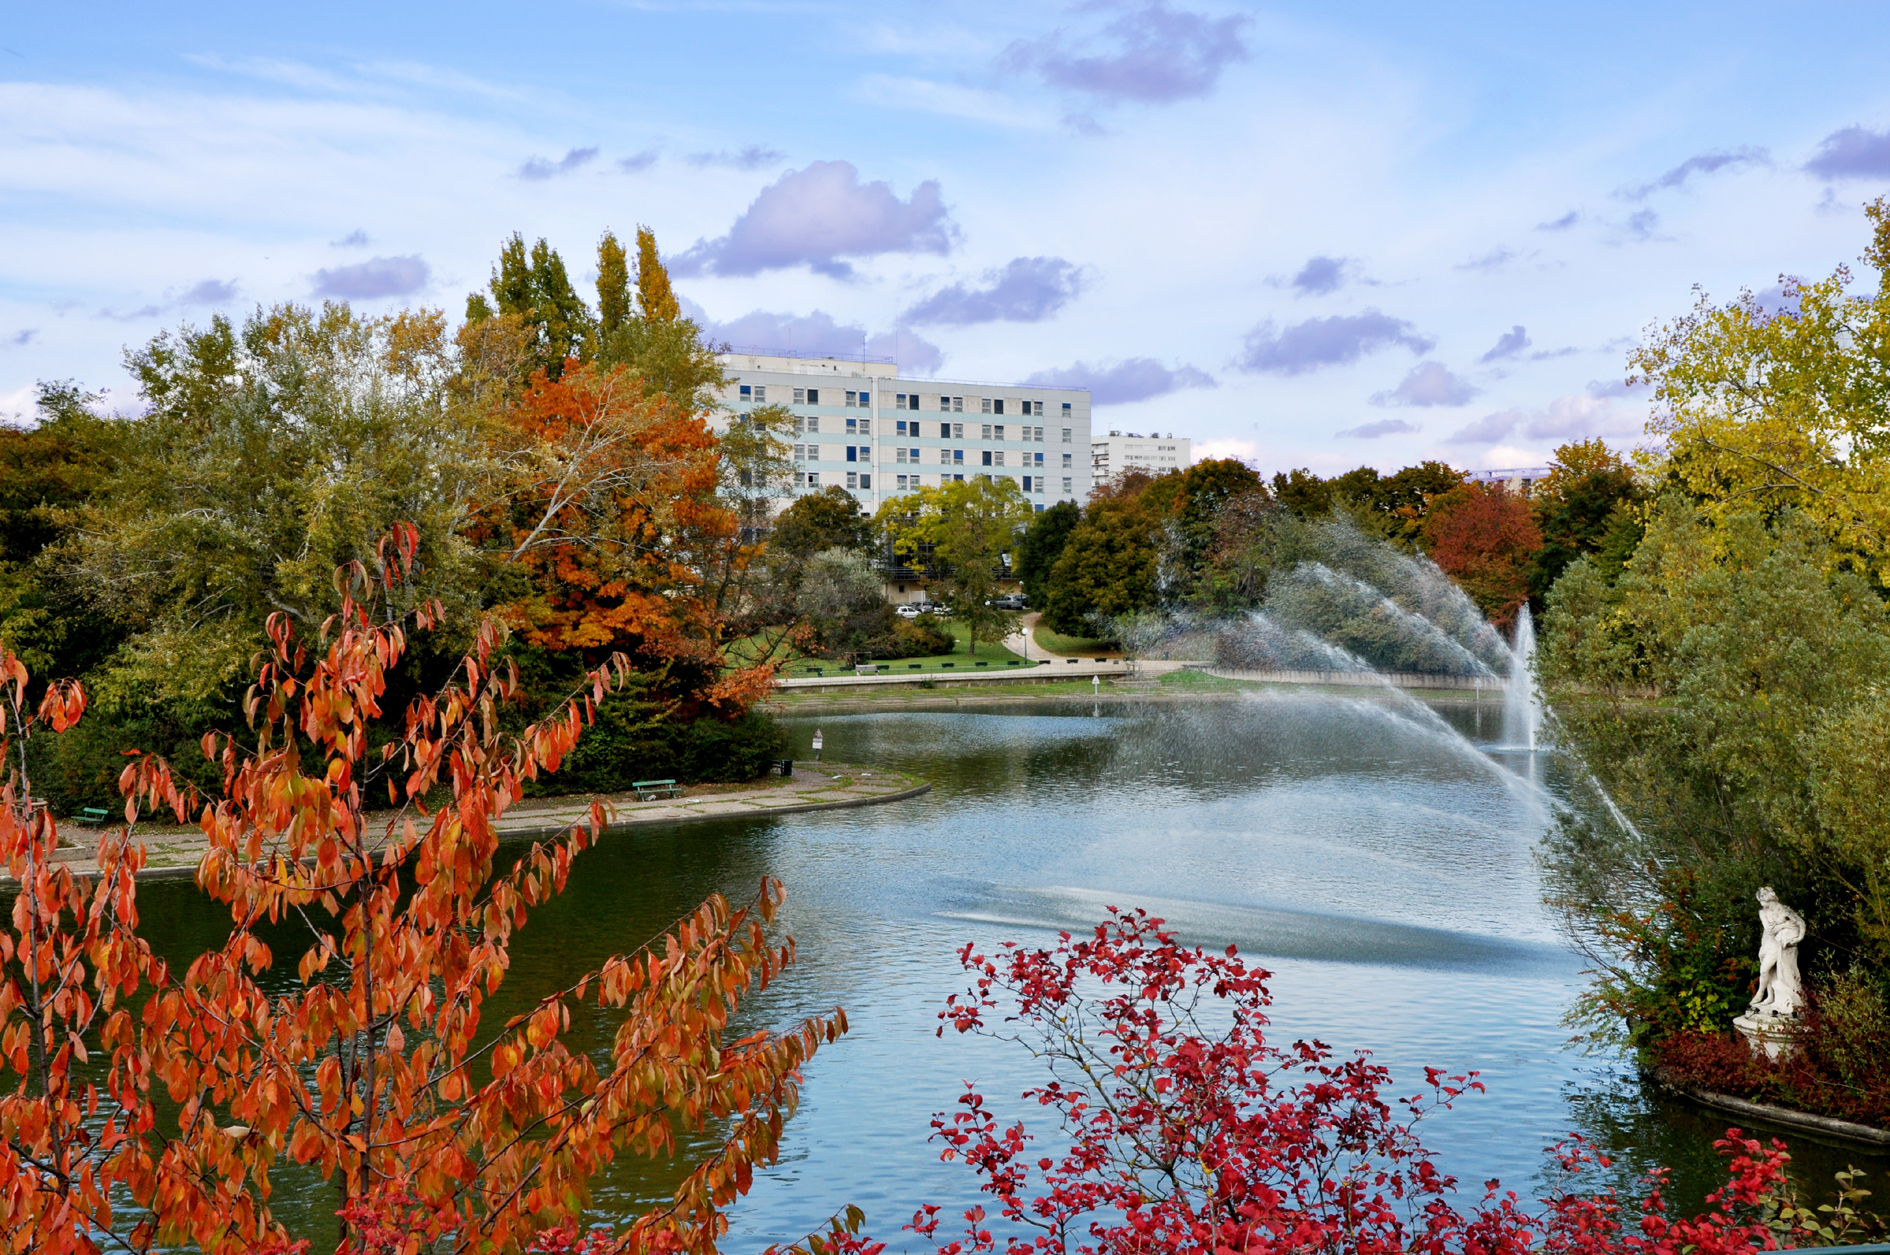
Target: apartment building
(1518,479)
(1111,455)
(859,425)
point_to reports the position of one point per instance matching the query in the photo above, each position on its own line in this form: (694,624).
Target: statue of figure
(1780,989)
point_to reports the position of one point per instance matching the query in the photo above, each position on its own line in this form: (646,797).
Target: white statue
(1780,989)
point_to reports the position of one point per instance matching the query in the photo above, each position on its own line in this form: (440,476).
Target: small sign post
(816,744)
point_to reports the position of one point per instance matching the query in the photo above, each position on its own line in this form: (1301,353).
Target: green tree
(658,344)
(535,288)
(820,520)
(613,285)
(1109,567)
(267,459)
(1303,493)
(1581,507)
(1042,545)
(958,534)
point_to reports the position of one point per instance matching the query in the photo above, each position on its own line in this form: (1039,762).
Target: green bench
(647,789)
(93,814)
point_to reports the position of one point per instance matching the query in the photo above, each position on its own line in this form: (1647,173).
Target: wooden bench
(93,814)
(647,789)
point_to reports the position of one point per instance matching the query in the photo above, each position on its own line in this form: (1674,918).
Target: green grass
(1194,681)
(992,653)
(1068,646)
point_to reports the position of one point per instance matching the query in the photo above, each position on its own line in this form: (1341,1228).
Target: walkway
(173,852)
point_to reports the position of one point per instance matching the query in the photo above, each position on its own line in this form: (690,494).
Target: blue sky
(1306,234)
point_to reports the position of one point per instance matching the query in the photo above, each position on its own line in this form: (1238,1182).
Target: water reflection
(1378,862)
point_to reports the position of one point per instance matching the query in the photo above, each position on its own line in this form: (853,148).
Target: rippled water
(1376,858)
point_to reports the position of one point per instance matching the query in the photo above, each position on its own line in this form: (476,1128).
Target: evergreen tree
(535,287)
(1042,545)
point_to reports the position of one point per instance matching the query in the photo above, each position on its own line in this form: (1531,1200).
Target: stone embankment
(174,852)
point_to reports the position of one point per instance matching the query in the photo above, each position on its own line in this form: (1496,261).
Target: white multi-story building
(1518,479)
(858,425)
(1111,455)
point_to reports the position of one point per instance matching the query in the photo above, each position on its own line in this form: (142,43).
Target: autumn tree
(613,285)
(1043,543)
(1484,537)
(535,288)
(959,533)
(1769,407)
(370,1063)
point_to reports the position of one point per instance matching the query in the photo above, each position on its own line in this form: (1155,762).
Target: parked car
(910,610)
(1010,601)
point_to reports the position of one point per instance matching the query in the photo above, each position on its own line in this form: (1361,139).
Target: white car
(911,610)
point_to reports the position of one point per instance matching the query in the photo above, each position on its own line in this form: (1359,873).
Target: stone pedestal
(1768,1033)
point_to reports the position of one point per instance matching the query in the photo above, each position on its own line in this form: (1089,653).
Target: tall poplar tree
(535,287)
(655,298)
(613,284)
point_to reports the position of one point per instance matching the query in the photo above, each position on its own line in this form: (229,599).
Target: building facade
(1111,455)
(859,426)
(1518,479)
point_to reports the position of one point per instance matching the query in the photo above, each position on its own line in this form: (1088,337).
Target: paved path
(174,852)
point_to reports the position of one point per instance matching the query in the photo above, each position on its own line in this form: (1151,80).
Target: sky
(1303,234)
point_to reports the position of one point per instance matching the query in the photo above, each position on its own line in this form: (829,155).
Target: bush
(626,745)
(923,637)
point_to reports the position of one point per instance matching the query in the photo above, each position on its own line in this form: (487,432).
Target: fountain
(1522,710)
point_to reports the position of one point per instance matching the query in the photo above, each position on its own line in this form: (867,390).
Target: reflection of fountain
(1522,712)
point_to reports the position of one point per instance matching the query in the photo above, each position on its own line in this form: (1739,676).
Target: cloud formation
(1383,427)
(377,276)
(1026,289)
(1335,341)
(815,217)
(753,157)
(209,292)
(1852,153)
(23,337)
(1705,163)
(1509,344)
(356,238)
(1136,379)
(638,161)
(1563,223)
(1150,53)
(1429,383)
(1495,259)
(540,168)
(817,334)
(1587,415)
(1319,276)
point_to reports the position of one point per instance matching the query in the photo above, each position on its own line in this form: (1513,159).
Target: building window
(800,453)
(1036,433)
(1036,407)
(813,479)
(912,402)
(899,482)
(1066,411)
(853,452)
(899,456)
(853,398)
(800,396)
(1066,484)
(761,394)
(853,479)
(997,406)
(1036,459)
(866,480)
(1066,461)
(1066,431)
(1026,483)
(951,405)
(747,393)
(986,433)
(958,405)
(997,432)
(811,425)
(813,396)
(984,405)
(899,428)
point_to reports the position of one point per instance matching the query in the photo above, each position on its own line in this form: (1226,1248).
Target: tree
(821,520)
(268,458)
(658,344)
(370,1062)
(656,302)
(1769,408)
(1304,493)
(1484,537)
(613,285)
(1241,559)
(1586,497)
(959,533)
(1108,568)
(1042,545)
(536,289)
(839,598)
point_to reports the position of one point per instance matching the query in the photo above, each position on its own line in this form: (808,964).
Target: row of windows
(912,457)
(757,394)
(956,431)
(1035,485)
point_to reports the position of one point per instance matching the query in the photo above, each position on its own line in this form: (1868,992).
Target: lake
(1372,852)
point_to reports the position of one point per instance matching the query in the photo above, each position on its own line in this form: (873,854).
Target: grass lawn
(1070,646)
(992,654)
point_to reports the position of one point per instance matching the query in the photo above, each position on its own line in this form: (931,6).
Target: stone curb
(1830,1126)
(538,832)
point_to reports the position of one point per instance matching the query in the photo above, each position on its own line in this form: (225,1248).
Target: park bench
(94,814)
(647,789)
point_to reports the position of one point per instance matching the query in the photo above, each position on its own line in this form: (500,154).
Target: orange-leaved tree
(372,1065)
(1484,536)
(611,508)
